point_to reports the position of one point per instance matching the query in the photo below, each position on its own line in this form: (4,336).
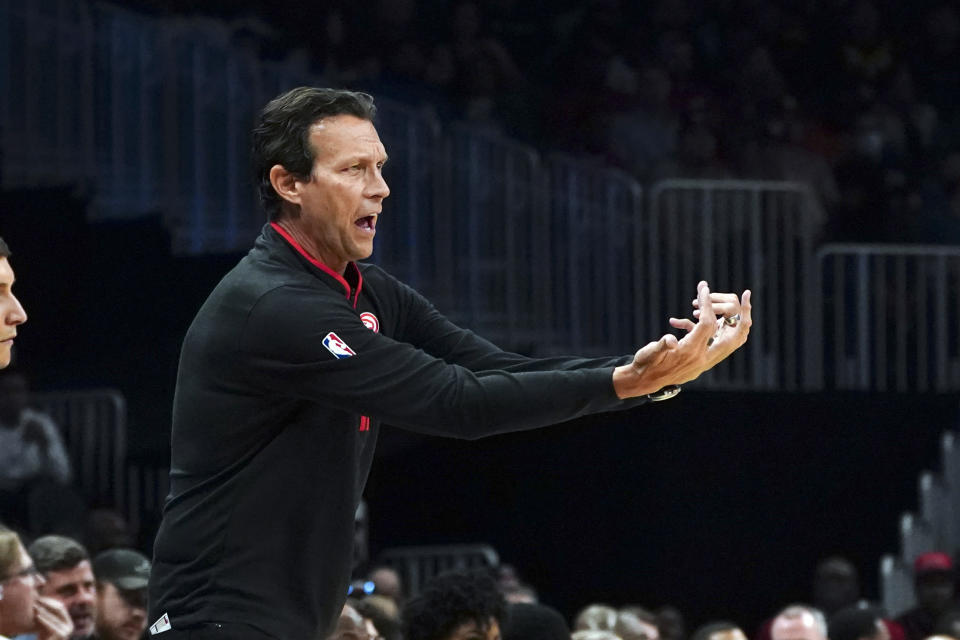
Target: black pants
(215,631)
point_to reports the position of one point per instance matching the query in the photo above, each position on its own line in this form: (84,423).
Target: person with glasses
(22,608)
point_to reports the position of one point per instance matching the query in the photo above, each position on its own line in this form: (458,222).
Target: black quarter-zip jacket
(285,376)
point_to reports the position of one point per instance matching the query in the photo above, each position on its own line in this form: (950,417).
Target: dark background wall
(720,503)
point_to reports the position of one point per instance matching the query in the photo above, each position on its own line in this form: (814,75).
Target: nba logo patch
(337,347)
(370,321)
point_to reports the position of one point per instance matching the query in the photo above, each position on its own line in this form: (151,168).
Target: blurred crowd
(94,586)
(857,98)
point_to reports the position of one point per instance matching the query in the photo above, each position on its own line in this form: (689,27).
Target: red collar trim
(339,278)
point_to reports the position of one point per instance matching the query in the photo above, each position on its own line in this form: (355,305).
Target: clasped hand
(708,341)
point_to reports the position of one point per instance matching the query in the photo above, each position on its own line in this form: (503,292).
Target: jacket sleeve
(292,339)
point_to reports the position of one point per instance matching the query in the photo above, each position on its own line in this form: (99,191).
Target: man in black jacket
(299,354)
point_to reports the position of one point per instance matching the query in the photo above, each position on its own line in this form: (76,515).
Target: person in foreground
(11,311)
(301,352)
(22,609)
(457,605)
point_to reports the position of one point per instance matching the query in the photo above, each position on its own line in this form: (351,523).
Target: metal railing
(501,265)
(416,565)
(94,425)
(736,234)
(888,317)
(593,257)
(554,254)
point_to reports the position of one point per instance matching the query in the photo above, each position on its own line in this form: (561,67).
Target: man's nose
(377,186)
(17,315)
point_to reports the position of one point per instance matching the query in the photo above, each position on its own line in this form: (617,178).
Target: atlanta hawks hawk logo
(370,321)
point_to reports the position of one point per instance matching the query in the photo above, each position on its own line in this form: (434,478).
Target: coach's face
(340,203)
(11,313)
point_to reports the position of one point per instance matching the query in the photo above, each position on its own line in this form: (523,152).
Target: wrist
(629,382)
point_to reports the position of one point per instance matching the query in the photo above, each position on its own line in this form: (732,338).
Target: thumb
(655,351)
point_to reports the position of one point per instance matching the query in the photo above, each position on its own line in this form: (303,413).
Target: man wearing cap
(122,576)
(934,589)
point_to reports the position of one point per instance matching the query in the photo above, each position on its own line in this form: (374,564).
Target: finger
(53,610)
(720,297)
(746,308)
(706,317)
(725,309)
(50,617)
(682,323)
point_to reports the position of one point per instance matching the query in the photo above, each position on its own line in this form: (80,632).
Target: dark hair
(707,630)
(534,622)
(4,249)
(57,553)
(851,623)
(450,600)
(282,133)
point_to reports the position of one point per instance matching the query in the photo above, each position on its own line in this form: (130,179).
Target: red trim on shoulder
(314,261)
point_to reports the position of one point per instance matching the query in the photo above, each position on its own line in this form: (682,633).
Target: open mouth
(367,223)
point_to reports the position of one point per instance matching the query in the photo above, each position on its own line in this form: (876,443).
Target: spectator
(933,577)
(597,616)
(528,621)
(387,583)
(799,622)
(353,626)
(719,630)
(671,624)
(513,589)
(636,623)
(644,134)
(22,608)
(65,566)
(122,576)
(32,454)
(594,634)
(857,623)
(455,606)
(836,585)
(935,61)
(476,67)
(106,529)
(383,613)
(11,312)
(948,624)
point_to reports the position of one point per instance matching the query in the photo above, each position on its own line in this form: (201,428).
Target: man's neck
(306,242)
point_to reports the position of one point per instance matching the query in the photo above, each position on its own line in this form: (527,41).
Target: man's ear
(285,183)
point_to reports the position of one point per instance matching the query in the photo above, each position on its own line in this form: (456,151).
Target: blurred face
(76,589)
(801,627)
(353,626)
(935,591)
(121,615)
(11,313)
(630,627)
(17,608)
(730,634)
(340,203)
(470,631)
